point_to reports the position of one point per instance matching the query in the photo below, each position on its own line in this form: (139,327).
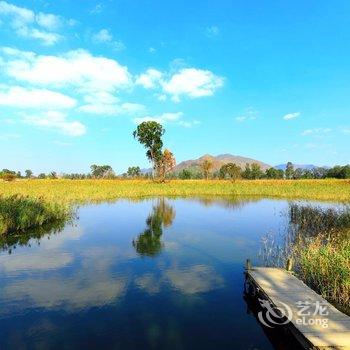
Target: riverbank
(18,213)
(82,191)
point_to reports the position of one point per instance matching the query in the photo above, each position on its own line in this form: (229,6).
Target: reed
(19,213)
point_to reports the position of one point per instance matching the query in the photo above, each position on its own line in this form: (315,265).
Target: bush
(8,177)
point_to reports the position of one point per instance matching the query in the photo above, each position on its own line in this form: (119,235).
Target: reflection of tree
(149,241)
(11,242)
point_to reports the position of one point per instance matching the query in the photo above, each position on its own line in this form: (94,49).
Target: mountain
(218,161)
(297,166)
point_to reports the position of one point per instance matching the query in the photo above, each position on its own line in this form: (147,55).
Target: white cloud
(20,97)
(212,31)
(56,120)
(105,103)
(27,24)
(48,20)
(76,68)
(97,9)
(193,83)
(112,109)
(316,131)
(174,118)
(291,116)
(190,82)
(150,78)
(249,113)
(163,118)
(102,36)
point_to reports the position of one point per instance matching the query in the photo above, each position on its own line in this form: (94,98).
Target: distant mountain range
(221,159)
(218,161)
(297,166)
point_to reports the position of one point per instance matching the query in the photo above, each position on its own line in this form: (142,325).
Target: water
(150,274)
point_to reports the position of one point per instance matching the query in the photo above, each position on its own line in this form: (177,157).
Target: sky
(269,80)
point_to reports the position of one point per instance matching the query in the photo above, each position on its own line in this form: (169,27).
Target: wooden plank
(282,288)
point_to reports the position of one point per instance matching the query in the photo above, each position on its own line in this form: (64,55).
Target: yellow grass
(79,191)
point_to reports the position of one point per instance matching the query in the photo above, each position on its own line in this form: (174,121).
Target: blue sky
(265,79)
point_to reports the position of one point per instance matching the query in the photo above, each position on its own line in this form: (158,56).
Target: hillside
(218,161)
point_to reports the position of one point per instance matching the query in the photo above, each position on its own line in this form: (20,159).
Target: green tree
(28,173)
(149,241)
(230,170)
(185,174)
(256,172)
(42,176)
(149,134)
(273,173)
(102,171)
(289,170)
(247,173)
(133,171)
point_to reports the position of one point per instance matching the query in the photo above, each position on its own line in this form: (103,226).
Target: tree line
(150,133)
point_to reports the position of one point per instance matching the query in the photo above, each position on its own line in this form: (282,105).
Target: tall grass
(19,213)
(104,190)
(318,241)
(326,267)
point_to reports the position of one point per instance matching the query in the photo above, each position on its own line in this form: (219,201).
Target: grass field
(80,191)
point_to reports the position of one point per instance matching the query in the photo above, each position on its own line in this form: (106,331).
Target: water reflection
(25,239)
(149,241)
(89,287)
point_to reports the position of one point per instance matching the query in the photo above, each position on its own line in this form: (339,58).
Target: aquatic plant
(318,242)
(19,213)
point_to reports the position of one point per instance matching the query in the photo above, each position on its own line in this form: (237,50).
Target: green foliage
(149,134)
(133,171)
(273,173)
(102,171)
(252,172)
(149,241)
(42,176)
(339,172)
(289,172)
(28,173)
(19,213)
(231,171)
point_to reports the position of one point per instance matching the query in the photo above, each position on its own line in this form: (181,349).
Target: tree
(133,171)
(42,176)
(256,172)
(273,173)
(149,134)
(165,164)
(102,171)
(207,166)
(289,170)
(231,171)
(148,243)
(53,175)
(28,173)
(185,174)
(247,173)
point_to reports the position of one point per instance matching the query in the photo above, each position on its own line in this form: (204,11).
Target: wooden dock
(308,309)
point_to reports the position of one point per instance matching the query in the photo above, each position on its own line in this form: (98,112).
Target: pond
(148,274)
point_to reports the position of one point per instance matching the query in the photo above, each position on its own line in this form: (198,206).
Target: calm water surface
(151,274)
